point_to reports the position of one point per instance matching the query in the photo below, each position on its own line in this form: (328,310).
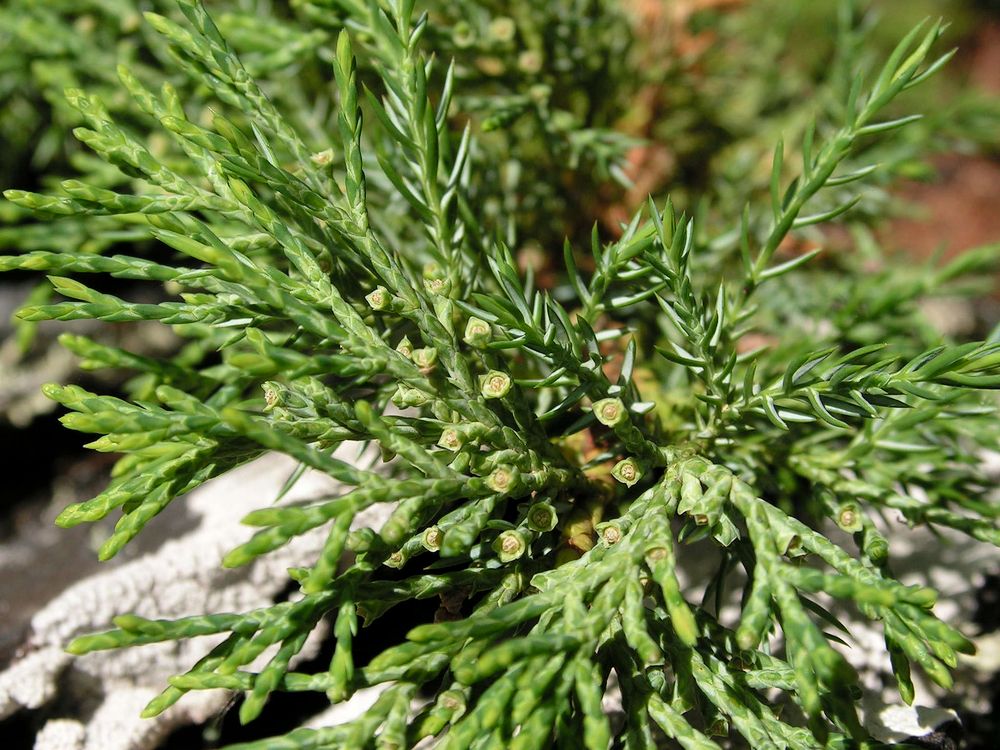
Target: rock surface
(104,692)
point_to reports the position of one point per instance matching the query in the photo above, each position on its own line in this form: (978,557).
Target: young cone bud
(510,545)
(450,439)
(611,532)
(425,359)
(379,298)
(437,286)
(610,411)
(627,472)
(503,479)
(272,395)
(463,35)
(477,333)
(322,158)
(503,28)
(431,539)
(407,396)
(396,560)
(542,517)
(495,384)
(405,347)
(849,518)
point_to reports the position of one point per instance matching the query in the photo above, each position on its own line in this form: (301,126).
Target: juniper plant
(550,450)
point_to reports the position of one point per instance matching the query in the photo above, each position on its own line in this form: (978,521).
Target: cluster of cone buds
(612,412)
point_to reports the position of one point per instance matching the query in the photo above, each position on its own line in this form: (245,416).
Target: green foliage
(348,276)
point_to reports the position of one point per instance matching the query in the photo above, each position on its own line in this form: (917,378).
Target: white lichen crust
(107,690)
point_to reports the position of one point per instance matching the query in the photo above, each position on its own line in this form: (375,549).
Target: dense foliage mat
(346,269)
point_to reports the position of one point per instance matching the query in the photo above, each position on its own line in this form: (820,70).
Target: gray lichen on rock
(107,690)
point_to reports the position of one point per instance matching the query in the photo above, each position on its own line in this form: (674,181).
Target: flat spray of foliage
(553,449)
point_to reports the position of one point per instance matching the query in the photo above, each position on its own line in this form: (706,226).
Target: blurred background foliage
(603,102)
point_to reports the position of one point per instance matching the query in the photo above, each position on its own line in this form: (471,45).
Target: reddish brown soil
(960,209)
